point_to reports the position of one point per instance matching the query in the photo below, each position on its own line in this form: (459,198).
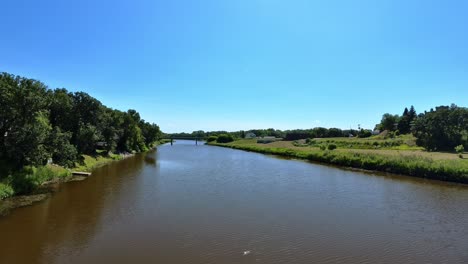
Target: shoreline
(48,188)
(412,166)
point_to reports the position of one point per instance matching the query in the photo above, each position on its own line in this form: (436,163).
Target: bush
(322,147)
(331,146)
(212,138)
(460,149)
(6,191)
(224,138)
(23,182)
(364,133)
(29,178)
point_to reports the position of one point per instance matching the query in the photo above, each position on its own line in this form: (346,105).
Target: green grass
(88,163)
(30,178)
(438,166)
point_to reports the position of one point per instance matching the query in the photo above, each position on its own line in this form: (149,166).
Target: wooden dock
(81,173)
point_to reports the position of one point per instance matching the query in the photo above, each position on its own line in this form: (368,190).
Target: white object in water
(246,252)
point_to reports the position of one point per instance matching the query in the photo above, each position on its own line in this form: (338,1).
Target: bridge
(172,138)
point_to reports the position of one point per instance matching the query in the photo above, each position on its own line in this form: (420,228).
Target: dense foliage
(402,124)
(318,132)
(443,128)
(224,138)
(37,124)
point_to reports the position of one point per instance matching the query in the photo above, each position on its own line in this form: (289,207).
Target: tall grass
(88,163)
(29,179)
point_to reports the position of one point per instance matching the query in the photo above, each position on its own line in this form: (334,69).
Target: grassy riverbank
(33,184)
(399,159)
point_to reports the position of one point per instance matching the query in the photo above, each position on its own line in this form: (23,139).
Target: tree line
(318,132)
(443,128)
(38,123)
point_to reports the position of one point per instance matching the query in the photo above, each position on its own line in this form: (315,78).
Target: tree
(24,123)
(132,138)
(407,120)
(61,109)
(364,133)
(86,139)
(404,123)
(59,146)
(151,133)
(242,134)
(224,138)
(319,132)
(389,122)
(442,128)
(335,132)
(25,144)
(37,123)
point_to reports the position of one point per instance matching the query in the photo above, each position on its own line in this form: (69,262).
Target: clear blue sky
(240,64)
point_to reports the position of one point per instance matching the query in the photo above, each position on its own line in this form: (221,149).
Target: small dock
(81,173)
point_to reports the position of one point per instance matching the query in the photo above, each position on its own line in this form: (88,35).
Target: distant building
(250,135)
(101,144)
(376,132)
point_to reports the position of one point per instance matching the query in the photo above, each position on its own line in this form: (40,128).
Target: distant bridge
(172,138)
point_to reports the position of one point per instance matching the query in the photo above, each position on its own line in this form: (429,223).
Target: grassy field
(405,158)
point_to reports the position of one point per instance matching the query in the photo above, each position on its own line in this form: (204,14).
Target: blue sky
(240,64)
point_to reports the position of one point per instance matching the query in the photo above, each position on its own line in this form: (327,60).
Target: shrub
(331,147)
(224,138)
(460,149)
(29,178)
(212,138)
(5,191)
(322,147)
(364,133)
(23,182)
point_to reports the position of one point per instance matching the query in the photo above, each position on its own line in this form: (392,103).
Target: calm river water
(204,204)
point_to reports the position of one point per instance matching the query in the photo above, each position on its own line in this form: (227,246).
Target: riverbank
(37,184)
(416,163)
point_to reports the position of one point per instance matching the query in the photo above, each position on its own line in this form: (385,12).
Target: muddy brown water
(204,204)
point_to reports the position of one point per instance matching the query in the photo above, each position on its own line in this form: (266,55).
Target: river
(203,204)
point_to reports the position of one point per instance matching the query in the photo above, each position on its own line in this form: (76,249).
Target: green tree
(61,109)
(443,128)
(86,139)
(25,144)
(224,138)
(151,133)
(62,151)
(407,120)
(24,124)
(404,123)
(389,122)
